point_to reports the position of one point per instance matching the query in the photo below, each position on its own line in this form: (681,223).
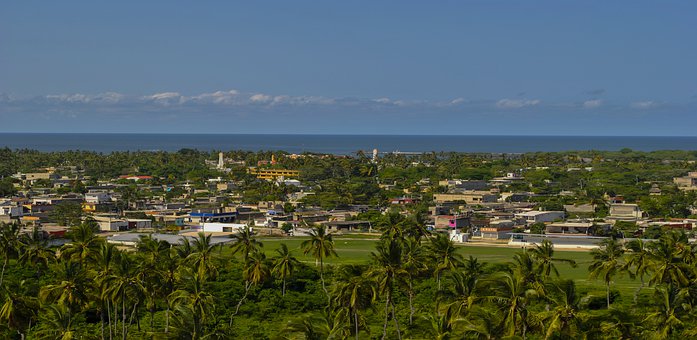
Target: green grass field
(357,251)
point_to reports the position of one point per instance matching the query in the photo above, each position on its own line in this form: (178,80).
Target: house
(215,227)
(688,182)
(404,200)
(534,216)
(625,211)
(451,221)
(97,197)
(469,197)
(497,230)
(108,223)
(347,225)
(576,227)
(138,224)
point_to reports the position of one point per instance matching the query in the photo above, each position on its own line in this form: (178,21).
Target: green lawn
(357,251)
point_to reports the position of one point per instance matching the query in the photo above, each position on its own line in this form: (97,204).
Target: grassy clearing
(357,251)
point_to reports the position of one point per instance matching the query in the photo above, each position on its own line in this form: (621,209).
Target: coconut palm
(392,225)
(245,242)
(84,243)
(638,262)
(671,309)
(18,309)
(440,327)
(321,245)
(191,298)
(543,254)
(445,254)
(203,256)
(414,263)
(513,296)
(607,262)
(34,251)
(56,323)
(9,247)
(125,285)
(484,323)
(565,317)
(386,271)
(256,271)
(105,259)
(667,265)
(70,292)
(317,327)
(284,265)
(354,292)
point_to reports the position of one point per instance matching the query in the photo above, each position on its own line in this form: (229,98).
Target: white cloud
(165,98)
(260,98)
(591,104)
(383,100)
(218,97)
(516,103)
(644,104)
(457,101)
(79,98)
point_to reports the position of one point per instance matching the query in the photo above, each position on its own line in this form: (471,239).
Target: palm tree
(191,299)
(392,225)
(484,323)
(414,263)
(203,256)
(18,310)
(671,305)
(638,260)
(256,271)
(70,293)
(317,327)
(543,254)
(387,270)
(441,326)
(445,254)
(105,259)
(125,286)
(607,262)
(284,265)
(565,318)
(667,265)
(84,243)
(245,242)
(8,245)
(34,251)
(513,296)
(56,323)
(321,245)
(354,292)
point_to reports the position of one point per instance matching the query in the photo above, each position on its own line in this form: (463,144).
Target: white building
(97,197)
(213,227)
(530,217)
(111,223)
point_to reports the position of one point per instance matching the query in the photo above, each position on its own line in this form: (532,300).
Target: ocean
(336,144)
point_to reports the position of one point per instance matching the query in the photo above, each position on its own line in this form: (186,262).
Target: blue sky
(393,67)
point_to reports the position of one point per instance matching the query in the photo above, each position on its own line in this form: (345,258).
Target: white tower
(221,162)
(375,155)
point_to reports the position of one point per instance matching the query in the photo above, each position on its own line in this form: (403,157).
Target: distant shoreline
(339,144)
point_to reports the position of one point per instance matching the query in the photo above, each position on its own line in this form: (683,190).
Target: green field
(357,251)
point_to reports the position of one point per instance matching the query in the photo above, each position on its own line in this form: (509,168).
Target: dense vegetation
(416,286)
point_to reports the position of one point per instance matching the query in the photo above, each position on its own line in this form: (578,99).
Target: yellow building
(89,207)
(272,174)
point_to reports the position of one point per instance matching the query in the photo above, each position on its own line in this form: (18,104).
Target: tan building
(272,174)
(688,182)
(469,197)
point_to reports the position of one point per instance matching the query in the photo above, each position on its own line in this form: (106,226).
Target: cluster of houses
(467,209)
